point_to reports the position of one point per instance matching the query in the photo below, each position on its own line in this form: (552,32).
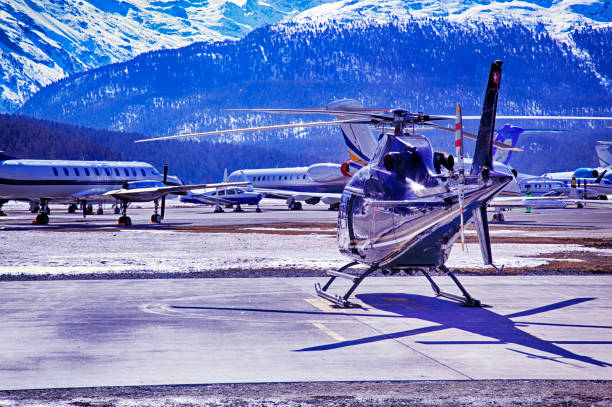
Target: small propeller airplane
(406,206)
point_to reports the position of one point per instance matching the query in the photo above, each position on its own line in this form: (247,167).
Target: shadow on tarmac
(479,321)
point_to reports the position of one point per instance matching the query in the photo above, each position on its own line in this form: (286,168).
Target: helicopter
(404,209)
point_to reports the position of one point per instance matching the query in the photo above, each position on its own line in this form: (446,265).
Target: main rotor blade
(250,129)
(349,111)
(537,117)
(473,136)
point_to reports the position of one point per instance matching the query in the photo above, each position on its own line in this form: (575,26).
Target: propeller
(598,180)
(461,181)
(163,203)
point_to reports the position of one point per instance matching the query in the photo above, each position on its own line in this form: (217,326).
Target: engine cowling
(325,172)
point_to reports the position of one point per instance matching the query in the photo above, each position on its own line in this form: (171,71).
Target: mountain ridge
(42,42)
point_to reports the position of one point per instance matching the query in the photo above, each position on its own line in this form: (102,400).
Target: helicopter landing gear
(466,300)
(342,301)
(125,220)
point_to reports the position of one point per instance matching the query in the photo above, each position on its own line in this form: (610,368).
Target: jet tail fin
(483,154)
(359,139)
(508,135)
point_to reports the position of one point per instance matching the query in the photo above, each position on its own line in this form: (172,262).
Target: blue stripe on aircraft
(351,146)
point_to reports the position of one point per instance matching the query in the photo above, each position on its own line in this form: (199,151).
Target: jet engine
(325,172)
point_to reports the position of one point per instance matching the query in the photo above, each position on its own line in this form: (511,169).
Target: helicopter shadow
(480,321)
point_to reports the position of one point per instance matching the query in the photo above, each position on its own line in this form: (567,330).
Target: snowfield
(71,253)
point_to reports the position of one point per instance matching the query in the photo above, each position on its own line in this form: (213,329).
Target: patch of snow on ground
(43,252)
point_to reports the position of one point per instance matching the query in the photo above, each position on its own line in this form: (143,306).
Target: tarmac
(132,332)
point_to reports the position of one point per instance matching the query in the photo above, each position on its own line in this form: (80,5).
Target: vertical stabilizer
(604,153)
(483,154)
(508,135)
(359,139)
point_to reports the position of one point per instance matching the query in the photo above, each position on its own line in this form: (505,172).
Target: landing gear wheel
(156,218)
(100,211)
(89,210)
(258,210)
(500,217)
(125,221)
(117,210)
(219,210)
(295,206)
(579,205)
(2,213)
(35,209)
(72,208)
(42,219)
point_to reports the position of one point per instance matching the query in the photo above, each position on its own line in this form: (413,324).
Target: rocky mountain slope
(42,41)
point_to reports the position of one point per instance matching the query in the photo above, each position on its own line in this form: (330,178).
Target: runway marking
(321,305)
(328,331)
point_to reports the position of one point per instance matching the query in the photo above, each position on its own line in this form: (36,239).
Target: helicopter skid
(466,300)
(336,299)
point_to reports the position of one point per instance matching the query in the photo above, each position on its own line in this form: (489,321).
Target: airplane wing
(152,193)
(92,194)
(208,200)
(544,202)
(328,198)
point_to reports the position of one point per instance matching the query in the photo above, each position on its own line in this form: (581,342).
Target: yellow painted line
(328,331)
(321,305)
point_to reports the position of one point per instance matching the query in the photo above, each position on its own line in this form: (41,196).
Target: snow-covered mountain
(555,16)
(42,41)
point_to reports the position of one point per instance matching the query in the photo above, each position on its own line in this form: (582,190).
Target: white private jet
(70,181)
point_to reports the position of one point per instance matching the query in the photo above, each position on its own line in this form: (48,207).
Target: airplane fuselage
(66,180)
(318,178)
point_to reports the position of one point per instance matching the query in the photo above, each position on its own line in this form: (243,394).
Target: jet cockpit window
(86,171)
(55,171)
(66,171)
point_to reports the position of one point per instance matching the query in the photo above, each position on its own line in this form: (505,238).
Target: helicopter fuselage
(401,211)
